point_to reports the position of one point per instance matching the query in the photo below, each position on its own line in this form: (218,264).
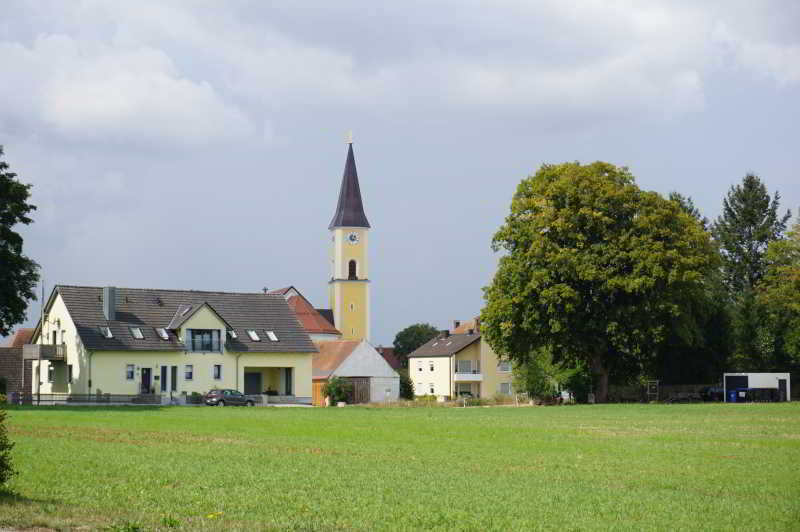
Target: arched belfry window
(351,270)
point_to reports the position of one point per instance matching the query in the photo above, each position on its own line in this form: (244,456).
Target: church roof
(350,209)
(311,320)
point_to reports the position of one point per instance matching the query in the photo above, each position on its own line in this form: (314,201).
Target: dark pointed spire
(350,209)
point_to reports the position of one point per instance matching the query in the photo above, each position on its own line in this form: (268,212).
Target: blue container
(732,396)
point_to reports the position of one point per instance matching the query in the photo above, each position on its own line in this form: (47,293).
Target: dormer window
(271,335)
(233,334)
(136,332)
(162,333)
(253,335)
(106,332)
(203,340)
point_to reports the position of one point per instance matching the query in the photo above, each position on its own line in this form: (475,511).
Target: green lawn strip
(621,467)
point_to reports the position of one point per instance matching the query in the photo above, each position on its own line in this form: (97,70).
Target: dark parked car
(227,398)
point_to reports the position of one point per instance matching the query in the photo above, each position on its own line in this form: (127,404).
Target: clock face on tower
(352,238)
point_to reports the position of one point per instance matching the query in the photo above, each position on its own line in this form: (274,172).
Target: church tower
(349,284)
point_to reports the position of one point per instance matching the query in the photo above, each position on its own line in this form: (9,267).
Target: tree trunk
(600,374)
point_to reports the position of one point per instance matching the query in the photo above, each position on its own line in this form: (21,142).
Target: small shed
(748,387)
(373,379)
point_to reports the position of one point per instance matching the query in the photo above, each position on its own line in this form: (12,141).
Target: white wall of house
(431,375)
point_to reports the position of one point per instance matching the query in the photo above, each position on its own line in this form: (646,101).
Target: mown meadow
(598,467)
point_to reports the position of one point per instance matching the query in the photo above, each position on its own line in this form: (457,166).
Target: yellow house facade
(169,343)
(455,365)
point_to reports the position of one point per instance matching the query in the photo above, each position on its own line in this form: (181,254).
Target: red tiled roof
(311,320)
(465,326)
(388,354)
(330,356)
(20,338)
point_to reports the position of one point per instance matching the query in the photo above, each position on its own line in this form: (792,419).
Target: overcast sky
(200,145)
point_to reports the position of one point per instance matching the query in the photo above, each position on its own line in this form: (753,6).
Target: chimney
(477,324)
(456,323)
(471,332)
(444,334)
(110,303)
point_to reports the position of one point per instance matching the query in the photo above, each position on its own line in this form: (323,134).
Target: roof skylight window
(435,344)
(448,343)
(253,336)
(162,333)
(137,333)
(272,337)
(106,332)
(232,334)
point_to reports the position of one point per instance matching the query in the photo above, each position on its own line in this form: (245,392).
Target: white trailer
(737,383)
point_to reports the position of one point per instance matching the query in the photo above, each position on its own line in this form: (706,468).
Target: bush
(338,389)
(6,467)
(406,387)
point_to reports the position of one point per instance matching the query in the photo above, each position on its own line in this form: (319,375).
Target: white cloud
(108,94)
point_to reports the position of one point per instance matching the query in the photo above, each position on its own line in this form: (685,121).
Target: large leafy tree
(411,338)
(18,273)
(778,298)
(594,269)
(748,223)
(698,342)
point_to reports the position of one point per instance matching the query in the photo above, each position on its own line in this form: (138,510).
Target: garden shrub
(338,389)
(6,467)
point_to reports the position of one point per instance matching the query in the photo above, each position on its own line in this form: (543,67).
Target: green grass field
(620,467)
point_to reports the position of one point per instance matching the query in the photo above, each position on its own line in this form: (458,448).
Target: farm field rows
(601,467)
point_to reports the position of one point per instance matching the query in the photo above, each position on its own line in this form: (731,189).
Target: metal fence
(51,399)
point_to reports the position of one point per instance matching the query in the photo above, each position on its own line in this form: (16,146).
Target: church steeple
(349,258)
(350,209)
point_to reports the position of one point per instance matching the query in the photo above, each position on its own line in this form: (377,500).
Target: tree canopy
(748,223)
(411,338)
(778,294)
(594,269)
(18,273)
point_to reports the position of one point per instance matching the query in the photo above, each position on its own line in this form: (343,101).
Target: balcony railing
(468,377)
(44,352)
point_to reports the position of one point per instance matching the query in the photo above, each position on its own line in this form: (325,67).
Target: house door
(782,390)
(163,379)
(146,375)
(252,383)
(287,372)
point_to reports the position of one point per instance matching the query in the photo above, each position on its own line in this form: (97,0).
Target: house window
(69,373)
(204,339)
(129,371)
(351,270)
(432,389)
(55,334)
(272,337)
(188,372)
(352,307)
(137,333)
(253,336)
(162,333)
(50,373)
(504,366)
(431,365)
(464,366)
(106,332)
(504,388)
(216,372)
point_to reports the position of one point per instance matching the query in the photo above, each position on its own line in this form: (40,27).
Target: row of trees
(600,278)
